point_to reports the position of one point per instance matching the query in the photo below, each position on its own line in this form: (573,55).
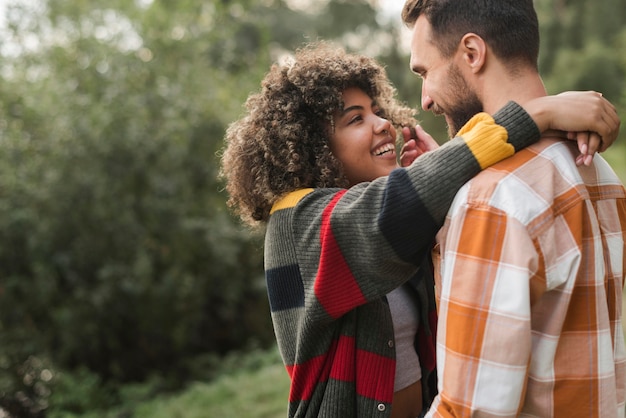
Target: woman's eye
(356,118)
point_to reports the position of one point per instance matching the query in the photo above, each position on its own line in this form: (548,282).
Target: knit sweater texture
(331,256)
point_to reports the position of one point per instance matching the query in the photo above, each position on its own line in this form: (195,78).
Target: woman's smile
(363,140)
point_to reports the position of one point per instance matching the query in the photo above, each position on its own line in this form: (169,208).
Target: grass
(260,394)
(259,388)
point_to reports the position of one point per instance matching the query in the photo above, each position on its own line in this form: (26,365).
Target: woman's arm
(363,242)
(585,116)
(380,230)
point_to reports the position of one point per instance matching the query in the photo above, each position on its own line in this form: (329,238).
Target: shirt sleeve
(484,330)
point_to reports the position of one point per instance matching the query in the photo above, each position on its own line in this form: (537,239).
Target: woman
(349,233)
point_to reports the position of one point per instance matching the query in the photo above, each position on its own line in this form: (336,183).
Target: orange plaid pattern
(531,271)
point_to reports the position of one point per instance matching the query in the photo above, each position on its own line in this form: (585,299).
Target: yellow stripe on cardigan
(486,140)
(290,200)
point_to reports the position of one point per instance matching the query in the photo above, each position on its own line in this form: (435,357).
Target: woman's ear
(474,50)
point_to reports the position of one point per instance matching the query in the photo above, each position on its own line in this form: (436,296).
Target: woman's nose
(383,125)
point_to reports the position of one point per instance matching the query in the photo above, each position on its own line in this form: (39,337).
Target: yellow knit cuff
(486,140)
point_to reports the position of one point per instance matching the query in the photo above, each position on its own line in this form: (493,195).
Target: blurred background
(127,289)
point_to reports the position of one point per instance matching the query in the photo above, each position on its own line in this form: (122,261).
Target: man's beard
(465,105)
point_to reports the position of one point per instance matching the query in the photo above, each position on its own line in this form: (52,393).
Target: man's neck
(498,91)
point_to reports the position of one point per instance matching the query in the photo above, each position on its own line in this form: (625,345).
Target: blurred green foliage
(122,273)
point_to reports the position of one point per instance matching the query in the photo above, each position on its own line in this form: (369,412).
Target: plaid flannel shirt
(530,290)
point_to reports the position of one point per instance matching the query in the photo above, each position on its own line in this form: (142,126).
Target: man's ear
(473,50)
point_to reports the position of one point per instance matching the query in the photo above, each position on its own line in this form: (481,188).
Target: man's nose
(427,102)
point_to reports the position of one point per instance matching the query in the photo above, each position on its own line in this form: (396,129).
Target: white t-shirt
(405,317)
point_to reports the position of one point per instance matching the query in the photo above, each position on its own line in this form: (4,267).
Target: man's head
(459,45)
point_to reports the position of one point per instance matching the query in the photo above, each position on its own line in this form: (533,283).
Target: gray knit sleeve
(520,127)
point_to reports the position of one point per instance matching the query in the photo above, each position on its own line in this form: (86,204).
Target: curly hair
(282,143)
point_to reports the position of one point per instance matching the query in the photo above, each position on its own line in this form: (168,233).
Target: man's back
(531,286)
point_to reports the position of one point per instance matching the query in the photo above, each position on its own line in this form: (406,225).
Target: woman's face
(363,140)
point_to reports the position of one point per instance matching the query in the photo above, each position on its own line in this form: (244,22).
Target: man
(532,253)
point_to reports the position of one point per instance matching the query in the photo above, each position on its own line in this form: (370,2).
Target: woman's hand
(585,116)
(416,142)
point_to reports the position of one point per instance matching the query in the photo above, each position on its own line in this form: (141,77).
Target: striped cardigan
(331,256)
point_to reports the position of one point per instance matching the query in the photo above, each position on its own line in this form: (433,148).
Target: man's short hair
(509,27)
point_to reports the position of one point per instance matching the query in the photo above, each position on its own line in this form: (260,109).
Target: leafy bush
(117,243)
(24,385)
(78,393)
(118,258)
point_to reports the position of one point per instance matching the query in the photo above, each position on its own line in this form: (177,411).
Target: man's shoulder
(532,163)
(526,183)
(537,179)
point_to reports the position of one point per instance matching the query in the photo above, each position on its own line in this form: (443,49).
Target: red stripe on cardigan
(306,376)
(335,286)
(375,376)
(373,373)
